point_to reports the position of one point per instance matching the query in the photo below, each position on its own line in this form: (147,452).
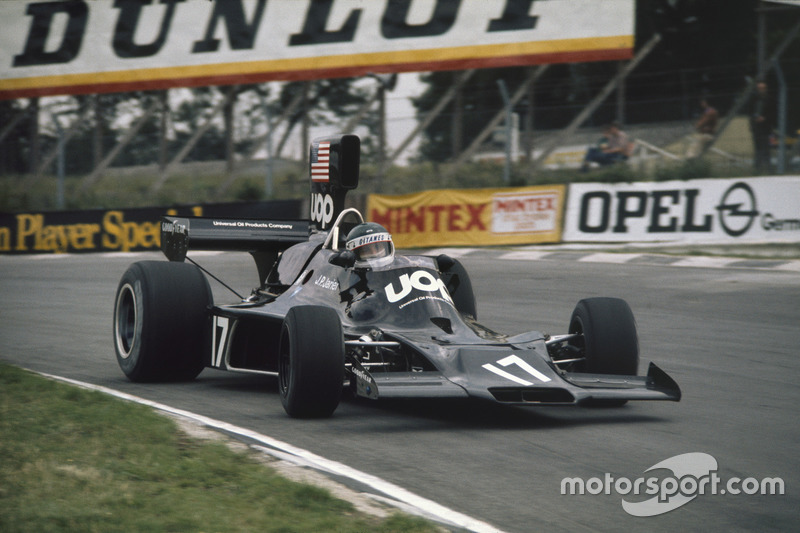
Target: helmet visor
(371,246)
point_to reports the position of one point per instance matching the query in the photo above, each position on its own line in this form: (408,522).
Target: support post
(595,103)
(48,159)
(191,142)
(92,178)
(259,142)
(748,91)
(432,114)
(781,117)
(508,107)
(162,131)
(490,127)
(11,124)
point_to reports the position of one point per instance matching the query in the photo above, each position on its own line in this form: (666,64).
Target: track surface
(730,338)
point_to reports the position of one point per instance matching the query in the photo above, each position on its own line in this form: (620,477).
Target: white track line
(792,266)
(705,262)
(604,257)
(300,456)
(524,255)
(452,252)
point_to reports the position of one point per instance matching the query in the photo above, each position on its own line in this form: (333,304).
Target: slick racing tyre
(161,321)
(311,362)
(609,344)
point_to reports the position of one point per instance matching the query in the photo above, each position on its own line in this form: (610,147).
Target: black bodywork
(410,328)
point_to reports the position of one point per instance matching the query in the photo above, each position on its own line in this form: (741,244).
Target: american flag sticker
(320,162)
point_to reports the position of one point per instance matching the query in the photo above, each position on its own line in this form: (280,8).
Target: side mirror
(344,259)
(445,262)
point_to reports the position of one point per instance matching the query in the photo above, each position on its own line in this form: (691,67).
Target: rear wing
(179,234)
(264,239)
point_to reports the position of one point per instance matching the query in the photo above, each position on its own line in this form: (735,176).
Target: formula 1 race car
(336,308)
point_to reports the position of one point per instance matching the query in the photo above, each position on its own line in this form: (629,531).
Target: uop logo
(693,474)
(420,280)
(321,209)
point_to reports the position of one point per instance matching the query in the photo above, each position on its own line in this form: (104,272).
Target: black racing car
(337,308)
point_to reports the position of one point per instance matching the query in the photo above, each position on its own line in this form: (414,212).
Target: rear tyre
(161,321)
(311,362)
(609,343)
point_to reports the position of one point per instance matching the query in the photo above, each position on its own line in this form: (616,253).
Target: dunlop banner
(115,230)
(91,46)
(471,217)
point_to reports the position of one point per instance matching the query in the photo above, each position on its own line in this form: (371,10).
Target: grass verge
(77,460)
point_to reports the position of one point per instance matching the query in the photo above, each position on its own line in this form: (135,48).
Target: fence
(244,142)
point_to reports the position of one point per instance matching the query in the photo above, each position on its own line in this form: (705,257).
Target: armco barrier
(116,230)
(725,211)
(707,210)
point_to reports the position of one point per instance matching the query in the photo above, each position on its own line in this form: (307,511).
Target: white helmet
(371,244)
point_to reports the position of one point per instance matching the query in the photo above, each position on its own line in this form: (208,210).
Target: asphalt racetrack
(729,336)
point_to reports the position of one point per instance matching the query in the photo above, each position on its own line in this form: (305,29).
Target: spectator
(761,123)
(614,147)
(704,128)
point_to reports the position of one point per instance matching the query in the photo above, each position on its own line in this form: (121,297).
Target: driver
(371,244)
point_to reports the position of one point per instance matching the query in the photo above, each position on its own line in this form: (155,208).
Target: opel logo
(737,210)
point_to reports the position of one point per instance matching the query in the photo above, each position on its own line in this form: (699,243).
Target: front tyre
(161,318)
(609,342)
(311,362)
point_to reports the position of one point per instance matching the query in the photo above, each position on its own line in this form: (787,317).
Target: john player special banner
(117,230)
(470,217)
(90,46)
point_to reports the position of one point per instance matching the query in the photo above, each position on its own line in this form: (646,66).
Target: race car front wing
(477,373)
(577,388)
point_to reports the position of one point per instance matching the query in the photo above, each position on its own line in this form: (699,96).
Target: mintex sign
(472,217)
(87,46)
(710,210)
